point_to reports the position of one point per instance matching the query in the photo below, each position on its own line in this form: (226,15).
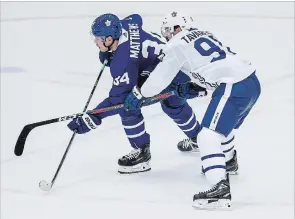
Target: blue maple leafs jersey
(137,54)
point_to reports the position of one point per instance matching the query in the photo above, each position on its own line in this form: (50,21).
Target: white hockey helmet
(173,20)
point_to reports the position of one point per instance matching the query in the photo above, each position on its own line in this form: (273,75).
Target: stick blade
(20,144)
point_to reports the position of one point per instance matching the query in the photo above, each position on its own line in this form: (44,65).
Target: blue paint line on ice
(147,15)
(12,69)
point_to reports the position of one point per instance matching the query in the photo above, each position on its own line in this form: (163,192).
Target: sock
(213,159)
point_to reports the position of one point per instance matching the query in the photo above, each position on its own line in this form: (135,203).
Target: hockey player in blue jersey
(236,89)
(132,54)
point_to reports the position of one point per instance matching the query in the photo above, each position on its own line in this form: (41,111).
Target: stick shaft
(74,134)
(19,147)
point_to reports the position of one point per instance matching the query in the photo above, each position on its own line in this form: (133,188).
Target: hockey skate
(231,166)
(138,160)
(218,197)
(188,145)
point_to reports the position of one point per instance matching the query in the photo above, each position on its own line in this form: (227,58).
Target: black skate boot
(188,145)
(231,166)
(218,197)
(138,160)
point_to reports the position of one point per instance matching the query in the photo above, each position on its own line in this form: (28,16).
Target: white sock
(213,159)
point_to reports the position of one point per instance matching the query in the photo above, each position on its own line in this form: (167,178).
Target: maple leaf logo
(108,23)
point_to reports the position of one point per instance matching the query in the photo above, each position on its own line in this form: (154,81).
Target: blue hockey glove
(190,90)
(84,123)
(106,56)
(134,100)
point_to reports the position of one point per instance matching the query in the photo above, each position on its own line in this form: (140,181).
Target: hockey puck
(45,186)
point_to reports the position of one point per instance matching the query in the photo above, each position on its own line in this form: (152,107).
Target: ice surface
(48,67)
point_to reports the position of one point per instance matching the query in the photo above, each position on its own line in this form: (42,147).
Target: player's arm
(160,78)
(163,74)
(106,56)
(123,83)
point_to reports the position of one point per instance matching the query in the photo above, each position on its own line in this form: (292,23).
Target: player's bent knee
(208,137)
(207,133)
(171,107)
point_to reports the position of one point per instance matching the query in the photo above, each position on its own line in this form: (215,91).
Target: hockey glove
(106,56)
(134,100)
(190,90)
(84,123)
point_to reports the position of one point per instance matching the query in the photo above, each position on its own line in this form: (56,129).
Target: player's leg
(228,142)
(184,117)
(217,123)
(138,160)
(229,106)
(182,114)
(228,148)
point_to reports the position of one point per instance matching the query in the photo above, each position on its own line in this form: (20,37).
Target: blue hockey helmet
(107,25)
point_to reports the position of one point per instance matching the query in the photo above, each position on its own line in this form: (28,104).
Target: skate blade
(142,167)
(195,150)
(236,172)
(220,204)
(232,173)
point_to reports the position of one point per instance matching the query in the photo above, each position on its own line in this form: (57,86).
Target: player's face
(103,43)
(99,41)
(177,30)
(168,33)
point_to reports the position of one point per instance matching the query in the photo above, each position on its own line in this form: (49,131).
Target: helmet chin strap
(109,47)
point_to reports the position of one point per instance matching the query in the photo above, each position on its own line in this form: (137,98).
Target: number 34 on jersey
(122,79)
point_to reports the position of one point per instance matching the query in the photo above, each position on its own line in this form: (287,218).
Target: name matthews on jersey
(134,40)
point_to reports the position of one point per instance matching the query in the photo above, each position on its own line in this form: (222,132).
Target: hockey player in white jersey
(213,66)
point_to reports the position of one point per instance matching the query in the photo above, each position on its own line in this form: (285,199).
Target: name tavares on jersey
(193,35)
(134,40)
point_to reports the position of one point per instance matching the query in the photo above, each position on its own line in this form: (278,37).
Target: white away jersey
(202,57)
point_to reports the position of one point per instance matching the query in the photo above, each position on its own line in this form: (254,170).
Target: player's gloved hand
(190,90)
(134,100)
(106,56)
(84,123)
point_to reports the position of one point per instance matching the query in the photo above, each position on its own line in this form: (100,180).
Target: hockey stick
(19,147)
(46,186)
